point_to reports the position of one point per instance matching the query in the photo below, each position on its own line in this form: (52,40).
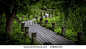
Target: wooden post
(37,14)
(80,37)
(49,15)
(33,15)
(34,36)
(42,17)
(40,21)
(47,11)
(22,26)
(17,18)
(28,16)
(44,13)
(47,43)
(22,17)
(45,16)
(36,18)
(53,26)
(29,22)
(46,22)
(41,13)
(20,21)
(63,30)
(55,13)
(26,31)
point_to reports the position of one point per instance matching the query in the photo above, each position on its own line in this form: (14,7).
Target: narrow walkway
(46,35)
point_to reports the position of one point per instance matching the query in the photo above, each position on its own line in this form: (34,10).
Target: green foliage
(17,38)
(73,24)
(3,35)
(71,14)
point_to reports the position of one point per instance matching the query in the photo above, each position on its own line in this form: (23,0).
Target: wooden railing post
(80,37)
(22,26)
(63,30)
(34,36)
(44,13)
(53,26)
(46,22)
(47,11)
(40,21)
(16,18)
(37,14)
(42,17)
(49,15)
(26,31)
(33,15)
(20,21)
(45,16)
(36,18)
(28,16)
(22,17)
(55,13)
(41,13)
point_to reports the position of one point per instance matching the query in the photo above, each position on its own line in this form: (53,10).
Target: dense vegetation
(69,13)
(73,17)
(18,37)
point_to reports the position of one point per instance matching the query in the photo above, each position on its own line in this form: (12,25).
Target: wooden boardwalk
(45,35)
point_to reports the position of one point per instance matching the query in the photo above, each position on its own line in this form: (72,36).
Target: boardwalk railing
(34,35)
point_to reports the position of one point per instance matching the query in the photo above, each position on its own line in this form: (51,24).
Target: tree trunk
(9,19)
(9,23)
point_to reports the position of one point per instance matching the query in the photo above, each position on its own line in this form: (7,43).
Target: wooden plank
(52,40)
(41,41)
(58,41)
(43,28)
(38,37)
(49,39)
(42,35)
(46,39)
(64,42)
(46,34)
(55,35)
(61,40)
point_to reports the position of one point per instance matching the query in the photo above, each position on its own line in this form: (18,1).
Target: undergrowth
(70,34)
(17,38)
